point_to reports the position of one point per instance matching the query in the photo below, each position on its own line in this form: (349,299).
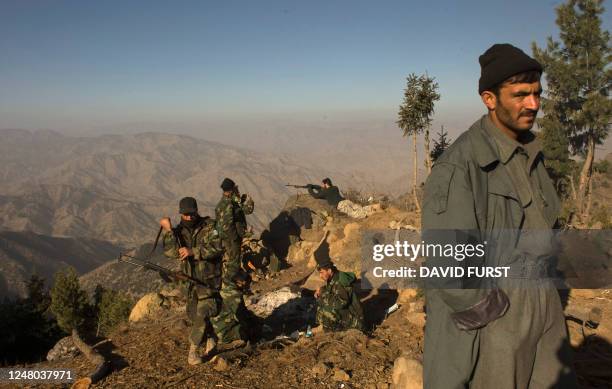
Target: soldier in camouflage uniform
(339,307)
(196,243)
(257,257)
(231,224)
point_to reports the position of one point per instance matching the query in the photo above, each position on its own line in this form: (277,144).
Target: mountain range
(116,187)
(68,200)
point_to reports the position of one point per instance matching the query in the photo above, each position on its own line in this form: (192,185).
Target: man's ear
(489,99)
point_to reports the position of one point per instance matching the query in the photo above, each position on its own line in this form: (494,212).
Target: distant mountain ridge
(115,187)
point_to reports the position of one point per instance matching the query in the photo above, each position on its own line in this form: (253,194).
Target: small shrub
(112,308)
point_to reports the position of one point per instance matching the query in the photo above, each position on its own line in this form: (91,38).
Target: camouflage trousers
(226,324)
(200,311)
(334,320)
(354,210)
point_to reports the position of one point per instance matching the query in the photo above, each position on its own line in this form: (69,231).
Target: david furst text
(411,251)
(442,272)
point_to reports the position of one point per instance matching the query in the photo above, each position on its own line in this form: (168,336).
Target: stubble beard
(505,117)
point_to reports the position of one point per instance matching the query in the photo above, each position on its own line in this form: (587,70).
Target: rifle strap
(156,242)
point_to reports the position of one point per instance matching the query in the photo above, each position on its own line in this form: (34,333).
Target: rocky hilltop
(151,349)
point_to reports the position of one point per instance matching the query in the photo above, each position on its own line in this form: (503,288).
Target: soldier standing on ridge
(231,224)
(338,307)
(197,244)
(491,185)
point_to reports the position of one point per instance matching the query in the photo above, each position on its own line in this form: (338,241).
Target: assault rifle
(165,273)
(301,186)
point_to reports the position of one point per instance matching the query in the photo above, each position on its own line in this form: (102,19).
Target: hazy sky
(107,65)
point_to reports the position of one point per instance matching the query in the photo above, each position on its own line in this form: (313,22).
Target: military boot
(193,358)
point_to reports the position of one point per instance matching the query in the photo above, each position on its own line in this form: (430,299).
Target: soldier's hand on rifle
(166,224)
(317,293)
(185,252)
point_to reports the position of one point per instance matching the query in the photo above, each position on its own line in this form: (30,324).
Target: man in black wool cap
(232,226)
(338,306)
(491,186)
(196,243)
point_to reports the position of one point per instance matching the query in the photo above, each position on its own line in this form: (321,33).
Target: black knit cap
(324,263)
(188,205)
(227,184)
(502,61)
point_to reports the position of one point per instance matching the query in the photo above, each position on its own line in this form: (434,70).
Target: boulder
(351,235)
(350,229)
(407,373)
(149,304)
(406,295)
(416,318)
(341,375)
(302,251)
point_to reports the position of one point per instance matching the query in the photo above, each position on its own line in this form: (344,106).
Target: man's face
(326,274)
(517,105)
(188,216)
(324,184)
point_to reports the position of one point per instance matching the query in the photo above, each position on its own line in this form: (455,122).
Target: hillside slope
(26,253)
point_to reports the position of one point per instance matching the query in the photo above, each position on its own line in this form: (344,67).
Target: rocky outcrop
(148,305)
(407,373)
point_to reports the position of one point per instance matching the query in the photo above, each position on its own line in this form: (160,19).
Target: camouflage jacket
(339,306)
(205,264)
(231,220)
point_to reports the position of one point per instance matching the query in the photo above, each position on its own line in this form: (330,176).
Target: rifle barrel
(140,262)
(152,266)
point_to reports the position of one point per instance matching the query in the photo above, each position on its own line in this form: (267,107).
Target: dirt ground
(153,353)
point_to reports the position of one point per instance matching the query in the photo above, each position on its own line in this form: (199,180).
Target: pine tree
(440,144)
(70,306)
(68,301)
(415,115)
(576,106)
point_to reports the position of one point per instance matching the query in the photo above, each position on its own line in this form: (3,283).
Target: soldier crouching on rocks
(196,243)
(339,307)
